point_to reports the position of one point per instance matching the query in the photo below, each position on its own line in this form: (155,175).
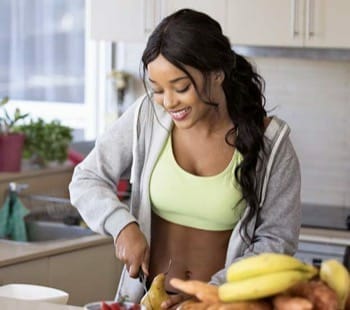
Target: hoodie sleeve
(279,217)
(93,185)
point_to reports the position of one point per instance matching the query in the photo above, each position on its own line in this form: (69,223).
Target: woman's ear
(219,76)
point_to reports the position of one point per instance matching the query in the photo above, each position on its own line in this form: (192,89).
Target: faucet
(16,187)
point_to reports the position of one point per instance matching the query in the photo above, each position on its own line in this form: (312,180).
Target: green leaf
(8,122)
(48,141)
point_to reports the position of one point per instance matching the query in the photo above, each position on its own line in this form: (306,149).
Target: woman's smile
(180,115)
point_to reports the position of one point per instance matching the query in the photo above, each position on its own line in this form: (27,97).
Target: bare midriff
(185,252)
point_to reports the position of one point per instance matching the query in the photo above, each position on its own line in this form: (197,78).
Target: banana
(262,286)
(336,276)
(265,263)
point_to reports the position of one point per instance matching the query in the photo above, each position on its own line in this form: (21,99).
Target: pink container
(11,147)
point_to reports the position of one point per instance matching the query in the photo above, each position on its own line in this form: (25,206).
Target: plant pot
(11,147)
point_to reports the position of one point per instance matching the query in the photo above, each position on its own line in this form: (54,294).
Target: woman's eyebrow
(171,81)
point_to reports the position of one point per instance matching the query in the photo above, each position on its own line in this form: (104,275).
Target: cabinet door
(88,275)
(32,272)
(120,20)
(327,23)
(216,9)
(265,22)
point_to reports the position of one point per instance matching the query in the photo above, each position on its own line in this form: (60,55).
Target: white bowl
(34,292)
(97,305)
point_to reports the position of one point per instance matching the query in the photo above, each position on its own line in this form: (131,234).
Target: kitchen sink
(46,226)
(48,231)
(54,219)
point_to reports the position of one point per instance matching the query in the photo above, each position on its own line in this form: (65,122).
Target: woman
(213,178)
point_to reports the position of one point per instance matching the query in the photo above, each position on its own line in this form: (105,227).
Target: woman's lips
(180,114)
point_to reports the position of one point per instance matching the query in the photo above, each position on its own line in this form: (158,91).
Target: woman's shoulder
(275,127)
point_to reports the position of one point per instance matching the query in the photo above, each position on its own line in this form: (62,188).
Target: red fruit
(104,306)
(116,306)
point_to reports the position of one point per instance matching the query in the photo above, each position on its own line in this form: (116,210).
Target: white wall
(313,96)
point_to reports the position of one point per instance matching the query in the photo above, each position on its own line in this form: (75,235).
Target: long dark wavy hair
(191,38)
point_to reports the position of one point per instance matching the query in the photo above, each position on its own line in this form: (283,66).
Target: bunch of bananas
(272,281)
(336,276)
(263,275)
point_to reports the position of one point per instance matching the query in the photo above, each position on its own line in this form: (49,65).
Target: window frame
(87,116)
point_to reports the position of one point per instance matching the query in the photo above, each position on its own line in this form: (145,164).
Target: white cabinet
(88,274)
(300,23)
(295,23)
(134,20)
(120,20)
(264,22)
(35,271)
(216,9)
(329,23)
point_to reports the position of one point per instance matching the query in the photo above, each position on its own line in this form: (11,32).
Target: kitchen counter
(64,264)
(329,236)
(17,304)
(17,252)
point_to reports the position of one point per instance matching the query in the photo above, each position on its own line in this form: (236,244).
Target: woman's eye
(183,89)
(157,92)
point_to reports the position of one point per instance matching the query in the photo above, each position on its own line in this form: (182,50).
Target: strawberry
(104,306)
(116,306)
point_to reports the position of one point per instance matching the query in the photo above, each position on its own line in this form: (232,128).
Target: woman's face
(174,90)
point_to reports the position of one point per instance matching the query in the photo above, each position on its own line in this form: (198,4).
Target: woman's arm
(93,185)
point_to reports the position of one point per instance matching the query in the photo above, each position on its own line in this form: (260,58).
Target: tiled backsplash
(313,96)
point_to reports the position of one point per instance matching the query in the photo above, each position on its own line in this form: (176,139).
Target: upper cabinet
(265,22)
(216,9)
(328,23)
(120,20)
(134,20)
(295,23)
(298,23)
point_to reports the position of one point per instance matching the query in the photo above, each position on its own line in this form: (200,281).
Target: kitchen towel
(12,213)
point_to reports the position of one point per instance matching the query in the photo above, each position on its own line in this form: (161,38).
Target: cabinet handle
(309,10)
(294,31)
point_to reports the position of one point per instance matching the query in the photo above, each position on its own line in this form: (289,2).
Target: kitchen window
(48,67)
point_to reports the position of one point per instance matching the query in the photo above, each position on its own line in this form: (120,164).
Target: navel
(188,274)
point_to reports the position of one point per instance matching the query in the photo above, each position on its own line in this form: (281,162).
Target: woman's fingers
(173,301)
(145,262)
(134,270)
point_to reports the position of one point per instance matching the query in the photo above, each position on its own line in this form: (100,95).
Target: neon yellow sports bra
(208,203)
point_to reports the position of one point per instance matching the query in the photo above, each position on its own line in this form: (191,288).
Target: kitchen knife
(143,279)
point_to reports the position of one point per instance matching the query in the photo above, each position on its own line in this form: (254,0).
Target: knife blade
(143,280)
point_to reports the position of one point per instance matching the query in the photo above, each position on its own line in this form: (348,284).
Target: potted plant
(11,141)
(46,143)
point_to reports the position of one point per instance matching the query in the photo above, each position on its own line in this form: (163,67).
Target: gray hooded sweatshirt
(130,149)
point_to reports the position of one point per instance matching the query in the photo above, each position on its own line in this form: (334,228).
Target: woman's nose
(169,101)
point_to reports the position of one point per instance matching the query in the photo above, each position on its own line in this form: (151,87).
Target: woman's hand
(174,301)
(132,249)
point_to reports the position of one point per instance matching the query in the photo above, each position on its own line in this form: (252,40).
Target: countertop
(329,236)
(17,304)
(18,252)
